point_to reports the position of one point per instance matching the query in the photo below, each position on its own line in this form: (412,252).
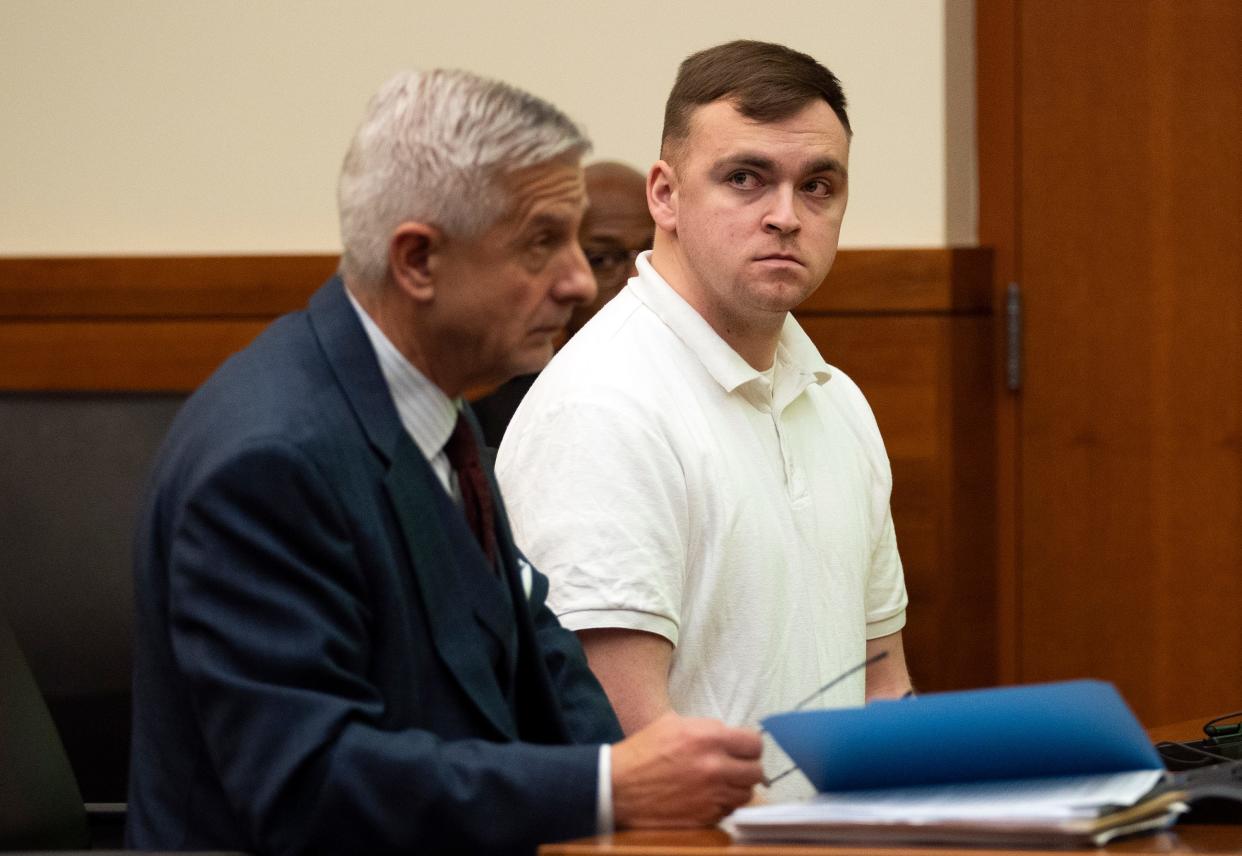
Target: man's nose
(782,215)
(576,283)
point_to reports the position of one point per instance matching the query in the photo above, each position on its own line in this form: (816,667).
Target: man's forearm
(632,666)
(889,677)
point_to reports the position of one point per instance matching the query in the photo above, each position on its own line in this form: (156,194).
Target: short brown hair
(766,82)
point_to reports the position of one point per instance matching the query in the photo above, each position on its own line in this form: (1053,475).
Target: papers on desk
(1050,764)
(1078,810)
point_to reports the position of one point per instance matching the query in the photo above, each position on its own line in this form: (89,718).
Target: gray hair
(433,147)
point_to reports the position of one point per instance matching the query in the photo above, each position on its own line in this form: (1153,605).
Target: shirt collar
(425,411)
(796,355)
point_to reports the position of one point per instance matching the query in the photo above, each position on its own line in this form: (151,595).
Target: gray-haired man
(339,648)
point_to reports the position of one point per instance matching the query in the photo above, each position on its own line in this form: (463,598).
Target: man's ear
(413,252)
(662,196)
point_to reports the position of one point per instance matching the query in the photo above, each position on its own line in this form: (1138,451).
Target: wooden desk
(1191,729)
(713,842)
(1189,838)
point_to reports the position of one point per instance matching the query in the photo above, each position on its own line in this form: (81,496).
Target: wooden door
(1111,172)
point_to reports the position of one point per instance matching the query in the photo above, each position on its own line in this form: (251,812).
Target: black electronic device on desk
(1209,770)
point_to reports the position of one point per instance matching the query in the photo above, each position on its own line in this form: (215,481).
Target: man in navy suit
(339,648)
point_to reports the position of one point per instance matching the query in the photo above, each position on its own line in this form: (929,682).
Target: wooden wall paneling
(166,355)
(1197,312)
(996,87)
(969,467)
(1131,458)
(159,286)
(955,279)
(62,320)
(150,324)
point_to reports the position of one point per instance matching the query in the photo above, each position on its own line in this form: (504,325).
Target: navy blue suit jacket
(325,661)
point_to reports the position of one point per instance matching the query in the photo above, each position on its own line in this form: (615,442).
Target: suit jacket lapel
(449,608)
(349,353)
(548,723)
(412,487)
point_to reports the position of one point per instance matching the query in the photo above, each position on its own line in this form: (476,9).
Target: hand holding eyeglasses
(680,771)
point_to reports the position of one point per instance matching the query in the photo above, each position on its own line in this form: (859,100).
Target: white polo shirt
(664,485)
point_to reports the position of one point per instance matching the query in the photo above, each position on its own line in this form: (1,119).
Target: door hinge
(1013,337)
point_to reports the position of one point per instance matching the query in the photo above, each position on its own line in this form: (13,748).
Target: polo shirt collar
(796,354)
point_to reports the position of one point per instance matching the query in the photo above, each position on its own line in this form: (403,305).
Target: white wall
(171,126)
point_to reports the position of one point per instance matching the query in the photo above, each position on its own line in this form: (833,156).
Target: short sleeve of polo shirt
(885,597)
(606,520)
(886,588)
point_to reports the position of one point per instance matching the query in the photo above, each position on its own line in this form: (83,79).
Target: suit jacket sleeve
(589,716)
(269,624)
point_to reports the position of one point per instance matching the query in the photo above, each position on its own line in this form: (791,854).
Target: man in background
(709,498)
(616,227)
(339,648)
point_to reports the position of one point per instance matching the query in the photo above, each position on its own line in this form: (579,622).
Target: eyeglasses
(875,658)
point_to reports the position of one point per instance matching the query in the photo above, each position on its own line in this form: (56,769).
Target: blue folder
(1024,732)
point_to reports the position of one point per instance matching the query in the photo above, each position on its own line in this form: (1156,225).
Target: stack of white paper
(1091,809)
(1054,799)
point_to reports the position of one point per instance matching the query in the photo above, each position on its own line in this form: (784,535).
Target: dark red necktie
(476,496)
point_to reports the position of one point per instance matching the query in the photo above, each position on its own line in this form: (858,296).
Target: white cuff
(623,619)
(603,792)
(886,626)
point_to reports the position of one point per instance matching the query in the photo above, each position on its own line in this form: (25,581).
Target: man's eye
(818,187)
(545,241)
(743,180)
(603,261)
